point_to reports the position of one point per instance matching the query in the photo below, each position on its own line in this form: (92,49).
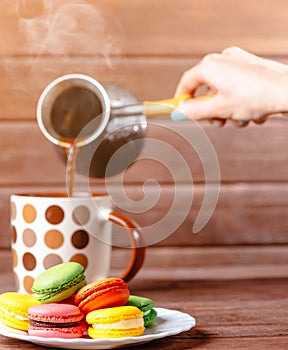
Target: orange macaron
(109,292)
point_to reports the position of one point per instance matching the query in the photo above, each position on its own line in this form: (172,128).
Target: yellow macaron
(115,322)
(14,309)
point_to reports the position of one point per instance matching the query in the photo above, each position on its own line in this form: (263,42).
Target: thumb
(198,108)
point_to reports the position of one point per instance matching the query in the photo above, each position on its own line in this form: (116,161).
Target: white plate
(168,322)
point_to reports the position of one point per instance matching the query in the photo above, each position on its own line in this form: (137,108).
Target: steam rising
(37,32)
(67,28)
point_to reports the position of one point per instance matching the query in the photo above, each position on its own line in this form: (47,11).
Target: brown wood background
(144,46)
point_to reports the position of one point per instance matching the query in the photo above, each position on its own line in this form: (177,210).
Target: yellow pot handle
(151,108)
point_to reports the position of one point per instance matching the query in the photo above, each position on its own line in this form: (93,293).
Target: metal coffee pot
(76,109)
(105,122)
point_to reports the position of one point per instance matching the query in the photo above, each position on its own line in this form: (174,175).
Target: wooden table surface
(231,313)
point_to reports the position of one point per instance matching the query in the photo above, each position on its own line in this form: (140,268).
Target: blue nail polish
(178,115)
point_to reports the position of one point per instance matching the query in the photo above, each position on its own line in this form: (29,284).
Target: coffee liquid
(72,110)
(71,168)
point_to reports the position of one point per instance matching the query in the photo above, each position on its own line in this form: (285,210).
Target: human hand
(244,87)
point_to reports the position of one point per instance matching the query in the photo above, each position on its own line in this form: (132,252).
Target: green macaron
(146,305)
(59,282)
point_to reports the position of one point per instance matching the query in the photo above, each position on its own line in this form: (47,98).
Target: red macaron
(56,320)
(109,292)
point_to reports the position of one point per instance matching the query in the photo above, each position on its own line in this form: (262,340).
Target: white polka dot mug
(48,229)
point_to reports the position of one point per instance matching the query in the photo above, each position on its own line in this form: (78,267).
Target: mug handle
(138,244)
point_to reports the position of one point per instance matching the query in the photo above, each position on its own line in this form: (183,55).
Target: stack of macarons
(110,310)
(63,306)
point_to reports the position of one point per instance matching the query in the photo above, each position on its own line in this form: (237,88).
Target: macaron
(56,321)
(115,322)
(146,305)
(14,309)
(59,282)
(109,292)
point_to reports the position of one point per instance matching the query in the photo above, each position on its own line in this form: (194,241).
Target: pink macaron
(56,321)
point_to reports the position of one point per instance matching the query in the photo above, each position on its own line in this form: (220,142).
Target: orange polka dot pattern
(29,213)
(40,238)
(53,239)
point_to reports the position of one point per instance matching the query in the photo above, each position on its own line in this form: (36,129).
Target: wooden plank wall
(144,47)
